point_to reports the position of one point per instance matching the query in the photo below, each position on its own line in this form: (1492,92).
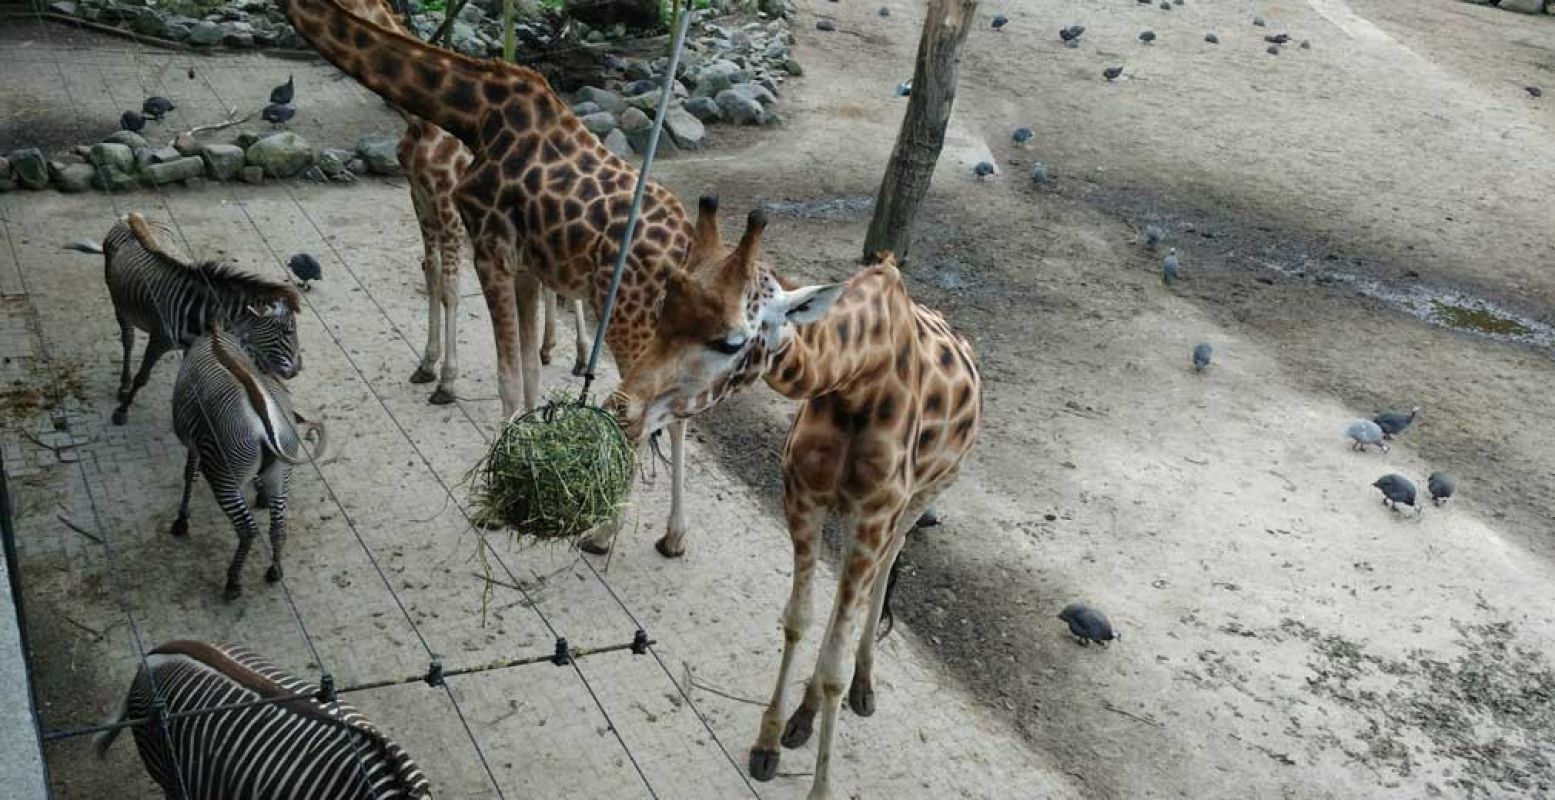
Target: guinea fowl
(1364,432)
(157,107)
(1393,423)
(1441,486)
(1397,491)
(1087,624)
(1201,356)
(132,121)
(306,268)
(283,94)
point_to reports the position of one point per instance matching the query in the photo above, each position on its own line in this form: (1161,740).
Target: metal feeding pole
(666,91)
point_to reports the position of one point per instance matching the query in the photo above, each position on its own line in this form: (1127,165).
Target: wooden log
(922,136)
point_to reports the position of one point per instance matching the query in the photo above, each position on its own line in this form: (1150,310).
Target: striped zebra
(175,300)
(289,750)
(237,423)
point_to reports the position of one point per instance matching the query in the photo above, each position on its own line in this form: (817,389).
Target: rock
(356,166)
(638,70)
(181,169)
(238,39)
(792,67)
(162,155)
(29,168)
(134,141)
(253,174)
(333,162)
(755,92)
(647,101)
(472,14)
(685,128)
(703,108)
(246,139)
(142,158)
(5,168)
(205,34)
(75,178)
(282,155)
(314,174)
(114,156)
(1523,6)
(464,39)
(606,100)
(738,108)
(718,76)
(63,7)
(616,142)
(185,143)
(149,23)
(600,123)
(222,161)
(381,152)
(112,179)
(586,108)
(344,176)
(825,25)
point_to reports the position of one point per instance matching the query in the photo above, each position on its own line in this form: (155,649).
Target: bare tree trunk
(918,145)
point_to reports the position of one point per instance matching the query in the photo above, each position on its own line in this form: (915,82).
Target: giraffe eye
(728,346)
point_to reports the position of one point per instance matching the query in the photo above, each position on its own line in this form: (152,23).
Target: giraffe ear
(807,304)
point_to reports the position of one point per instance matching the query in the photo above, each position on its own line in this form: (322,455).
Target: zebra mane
(251,287)
(258,675)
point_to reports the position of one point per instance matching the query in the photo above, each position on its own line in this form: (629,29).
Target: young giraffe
(434,161)
(893,404)
(542,188)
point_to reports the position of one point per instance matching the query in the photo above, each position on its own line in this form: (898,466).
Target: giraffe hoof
(273,574)
(764,763)
(423,375)
(120,415)
(594,549)
(797,731)
(664,549)
(580,368)
(441,397)
(545,358)
(861,698)
(180,527)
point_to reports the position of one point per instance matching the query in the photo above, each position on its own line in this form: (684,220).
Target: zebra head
(268,331)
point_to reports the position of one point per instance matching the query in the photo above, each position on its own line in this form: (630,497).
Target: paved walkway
(382,569)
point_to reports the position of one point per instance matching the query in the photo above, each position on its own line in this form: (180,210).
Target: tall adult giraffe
(893,404)
(434,161)
(541,187)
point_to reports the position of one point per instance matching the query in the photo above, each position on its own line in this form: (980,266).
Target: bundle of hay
(556,472)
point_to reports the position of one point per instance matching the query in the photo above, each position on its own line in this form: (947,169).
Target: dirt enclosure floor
(1284,635)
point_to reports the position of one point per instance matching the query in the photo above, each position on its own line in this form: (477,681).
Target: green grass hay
(556,472)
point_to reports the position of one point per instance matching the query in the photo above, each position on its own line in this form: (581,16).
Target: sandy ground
(1284,634)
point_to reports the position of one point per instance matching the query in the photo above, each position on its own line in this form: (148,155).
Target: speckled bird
(1397,491)
(283,94)
(156,107)
(1363,432)
(132,121)
(1201,356)
(1441,486)
(277,114)
(1170,267)
(306,268)
(1112,73)
(1154,235)
(999,21)
(1022,135)
(1087,624)
(1147,37)
(984,169)
(1394,423)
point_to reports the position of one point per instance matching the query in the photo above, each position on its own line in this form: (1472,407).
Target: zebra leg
(275,481)
(191,468)
(127,339)
(229,495)
(155,349)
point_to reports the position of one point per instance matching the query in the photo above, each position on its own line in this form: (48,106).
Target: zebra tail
(306,431)
(104,740)
(85,246)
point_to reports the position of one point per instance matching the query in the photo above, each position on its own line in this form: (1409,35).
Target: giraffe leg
(276,479)
(155,348)
(855,585)
(580,361)
(527,290)
(861,694)
(804,529)
(228,489)
(449,295)
(432,274)
(599,540)
(673,544)
(548,341)
(497,286)
(191,468)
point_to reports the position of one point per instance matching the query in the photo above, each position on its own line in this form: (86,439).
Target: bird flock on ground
(155,108)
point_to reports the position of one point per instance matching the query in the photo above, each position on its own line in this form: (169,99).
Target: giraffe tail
(440,86)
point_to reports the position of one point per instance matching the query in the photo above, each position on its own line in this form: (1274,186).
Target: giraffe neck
(447,89)
(858,338)
(377,12)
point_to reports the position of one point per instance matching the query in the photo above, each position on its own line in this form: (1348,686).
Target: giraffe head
(721,321)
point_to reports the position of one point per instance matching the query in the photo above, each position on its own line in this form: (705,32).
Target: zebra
(301,748)
(174,301)
(237,424)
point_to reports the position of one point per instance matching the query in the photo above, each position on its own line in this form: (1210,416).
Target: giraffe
(542,189)
(434,161)
(892,406)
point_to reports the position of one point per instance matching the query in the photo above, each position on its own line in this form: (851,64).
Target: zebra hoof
(423,375)
(764,763)
(180,527)
(120,415)
(273,574)
(441,397)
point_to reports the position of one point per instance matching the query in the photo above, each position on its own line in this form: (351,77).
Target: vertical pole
(922,136)
(507,30)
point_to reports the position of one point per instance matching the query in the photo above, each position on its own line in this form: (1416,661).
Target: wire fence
(562,655)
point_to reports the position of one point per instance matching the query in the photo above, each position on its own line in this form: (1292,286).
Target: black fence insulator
(639,642)
(563,655)
(326,689)
(435,673)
